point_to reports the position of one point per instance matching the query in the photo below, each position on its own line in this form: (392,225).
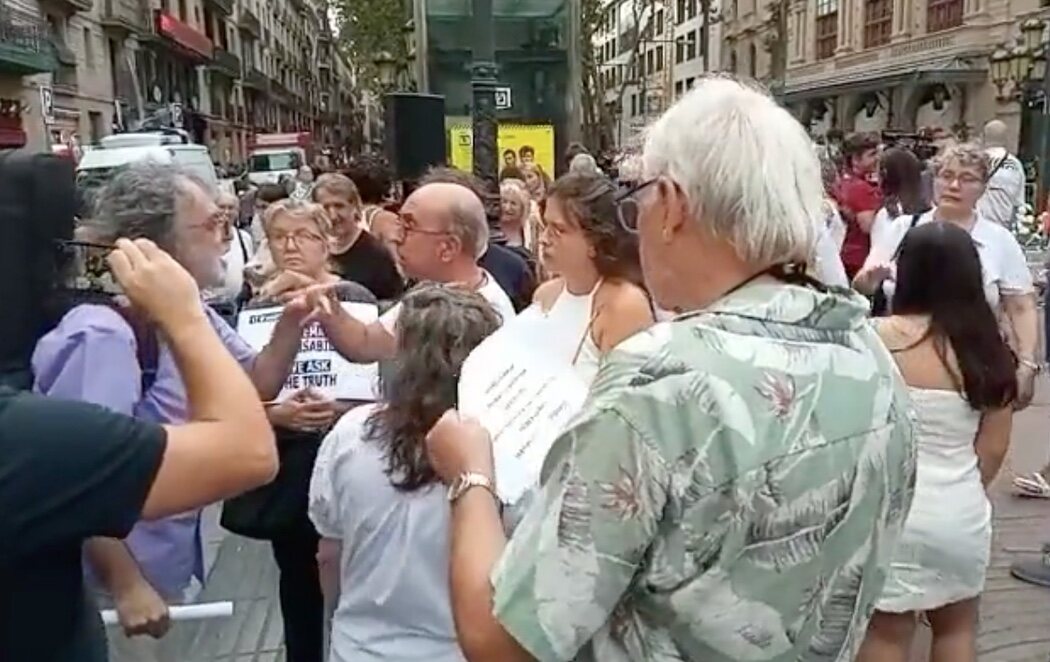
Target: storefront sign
(184,35)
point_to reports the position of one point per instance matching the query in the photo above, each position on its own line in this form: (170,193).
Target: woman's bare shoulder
(622,295)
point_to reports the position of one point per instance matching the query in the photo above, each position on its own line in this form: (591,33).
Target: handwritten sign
(318,365)
(524,397)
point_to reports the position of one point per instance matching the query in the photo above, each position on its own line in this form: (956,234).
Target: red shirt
(856,195)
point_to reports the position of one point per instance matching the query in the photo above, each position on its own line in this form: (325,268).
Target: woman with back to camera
(595,302)
(945,339)
(380,507)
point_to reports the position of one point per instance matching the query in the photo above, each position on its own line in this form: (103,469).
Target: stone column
(845,27)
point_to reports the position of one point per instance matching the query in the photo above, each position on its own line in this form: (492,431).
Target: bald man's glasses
(406,225)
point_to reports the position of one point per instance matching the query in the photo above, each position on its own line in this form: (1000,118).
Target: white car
(98,166)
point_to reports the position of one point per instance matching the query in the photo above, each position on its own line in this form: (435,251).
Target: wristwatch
(467,480)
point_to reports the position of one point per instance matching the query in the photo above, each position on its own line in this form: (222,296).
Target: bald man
(443,232)
(1004,198)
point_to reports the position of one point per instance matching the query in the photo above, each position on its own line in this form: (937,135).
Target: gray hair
(746,166)
(467,222)
(584,164)
(966,155)
(140,202)
(437,328)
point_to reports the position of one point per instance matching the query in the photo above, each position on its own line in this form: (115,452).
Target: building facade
(873,65)
(223,69)
(650,52)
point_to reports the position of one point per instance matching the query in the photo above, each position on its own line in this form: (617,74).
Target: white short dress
(944,548)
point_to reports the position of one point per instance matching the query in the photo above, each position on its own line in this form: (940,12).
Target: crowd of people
(802,370)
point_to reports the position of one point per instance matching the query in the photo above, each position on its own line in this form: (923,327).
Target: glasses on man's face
(406,225)
(214,224)
(300,238)
(627,209)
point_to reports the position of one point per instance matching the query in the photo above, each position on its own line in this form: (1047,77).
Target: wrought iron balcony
(226,62)
(224,6)
(249,22)
(24,44)
(124,16)
(69,7)
(256,80)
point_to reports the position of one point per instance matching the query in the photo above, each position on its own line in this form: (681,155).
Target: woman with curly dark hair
(373,178)
(381,510)
(596,299)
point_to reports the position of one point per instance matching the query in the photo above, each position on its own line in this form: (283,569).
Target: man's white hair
(746,166)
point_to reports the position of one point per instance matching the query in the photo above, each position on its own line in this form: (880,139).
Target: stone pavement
(1015,617)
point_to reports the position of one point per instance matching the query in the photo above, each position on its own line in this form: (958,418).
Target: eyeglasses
(214,224)
(300,238)
(406,226)
(961,178)
(627,205)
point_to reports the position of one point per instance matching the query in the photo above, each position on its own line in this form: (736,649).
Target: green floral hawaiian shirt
(732,491)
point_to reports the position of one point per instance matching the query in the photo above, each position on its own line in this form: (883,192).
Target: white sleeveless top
(570,321)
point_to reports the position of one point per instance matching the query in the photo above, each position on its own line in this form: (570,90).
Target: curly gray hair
(437,328)
(140,202)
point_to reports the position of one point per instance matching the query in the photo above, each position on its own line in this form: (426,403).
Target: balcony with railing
(65,79)
(24,44)
(224,6)
(226,63)
(253,79)
(68,7)
(249,22)
(124,16)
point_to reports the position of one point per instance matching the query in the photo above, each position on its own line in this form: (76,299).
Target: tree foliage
(366,28)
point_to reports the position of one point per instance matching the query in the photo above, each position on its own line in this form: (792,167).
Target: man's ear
(673,207)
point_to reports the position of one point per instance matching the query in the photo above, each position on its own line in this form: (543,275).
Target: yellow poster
(517,143)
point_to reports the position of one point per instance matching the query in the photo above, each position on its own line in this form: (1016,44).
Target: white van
(97,166)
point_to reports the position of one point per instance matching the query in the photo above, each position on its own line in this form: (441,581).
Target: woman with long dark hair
(377,502)
(945,339)
(900,176)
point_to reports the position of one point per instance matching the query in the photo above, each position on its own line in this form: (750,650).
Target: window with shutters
(943,14)
(878,22)
(827,32)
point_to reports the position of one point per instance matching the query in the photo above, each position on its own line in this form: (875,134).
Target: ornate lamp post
(483,86)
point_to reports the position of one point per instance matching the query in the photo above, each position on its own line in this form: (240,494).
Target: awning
(859,79)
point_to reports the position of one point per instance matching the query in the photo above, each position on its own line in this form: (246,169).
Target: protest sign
(523,396)
(318,365)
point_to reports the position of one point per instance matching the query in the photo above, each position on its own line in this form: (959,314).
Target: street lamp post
(1019,74)
(483,87)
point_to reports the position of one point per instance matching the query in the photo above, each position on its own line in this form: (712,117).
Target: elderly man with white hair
(739,475)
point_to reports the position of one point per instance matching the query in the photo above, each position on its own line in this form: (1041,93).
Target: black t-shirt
(370,263)
(68,471)
(512,272)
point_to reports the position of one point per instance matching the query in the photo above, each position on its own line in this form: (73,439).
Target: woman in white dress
(595,302)
(960,373)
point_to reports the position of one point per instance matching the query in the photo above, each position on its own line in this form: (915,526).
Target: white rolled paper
(184,612)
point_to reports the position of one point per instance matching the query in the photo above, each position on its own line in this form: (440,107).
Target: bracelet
(1031,365)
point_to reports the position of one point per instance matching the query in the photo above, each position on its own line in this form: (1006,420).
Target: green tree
(366,28)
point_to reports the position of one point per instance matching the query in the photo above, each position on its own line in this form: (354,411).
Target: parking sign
(47,104)
(502,98)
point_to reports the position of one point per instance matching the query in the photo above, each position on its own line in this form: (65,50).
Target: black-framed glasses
(627,205)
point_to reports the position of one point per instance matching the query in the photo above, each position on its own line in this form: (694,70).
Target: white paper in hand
(523,397)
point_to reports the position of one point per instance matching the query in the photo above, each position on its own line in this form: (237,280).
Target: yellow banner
(517,143)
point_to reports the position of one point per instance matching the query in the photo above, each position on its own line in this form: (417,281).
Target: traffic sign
(503,98)
(47,104)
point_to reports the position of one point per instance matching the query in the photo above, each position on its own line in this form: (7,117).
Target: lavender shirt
(91,356)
